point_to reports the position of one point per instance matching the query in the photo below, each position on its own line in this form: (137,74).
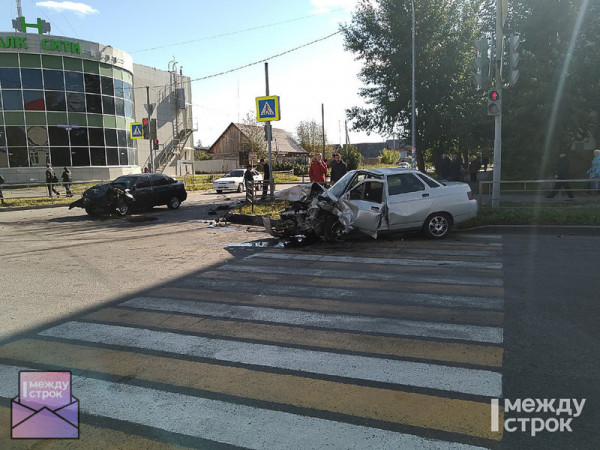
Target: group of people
(561,175)
(52,181)
(249,177)
(317,171)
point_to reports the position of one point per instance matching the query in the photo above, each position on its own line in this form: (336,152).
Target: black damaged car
(132,192)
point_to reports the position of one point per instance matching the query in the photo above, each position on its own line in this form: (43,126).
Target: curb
(575,230)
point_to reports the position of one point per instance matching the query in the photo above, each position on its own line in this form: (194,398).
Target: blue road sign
(267,108)
(137,131)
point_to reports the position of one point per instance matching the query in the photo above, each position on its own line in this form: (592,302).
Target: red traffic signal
(145,128)
(155,144)
(494,95)
(494,107)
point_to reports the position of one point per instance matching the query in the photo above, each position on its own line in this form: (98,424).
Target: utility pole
(413,101)
(323,126)
(269,135)
(497,171)
(149,140)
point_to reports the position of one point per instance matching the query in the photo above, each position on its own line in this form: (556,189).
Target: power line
(231,33)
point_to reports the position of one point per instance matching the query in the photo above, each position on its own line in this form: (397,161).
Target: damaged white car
(374,201)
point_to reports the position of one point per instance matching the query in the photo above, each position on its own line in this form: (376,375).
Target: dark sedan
(153,189)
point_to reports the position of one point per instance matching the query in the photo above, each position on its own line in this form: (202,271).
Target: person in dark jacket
(561,174)
(445,167)
(1,194)
(51,178)
(266,178)
(338,168)
(66,178)
(249,178)
(456,168)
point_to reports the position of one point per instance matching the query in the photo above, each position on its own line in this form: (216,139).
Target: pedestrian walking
(1,194)
(456,168)
(51,179)
(318,170)
(338,168)
(266,178)
(594,172)
(66,178)
(561,173)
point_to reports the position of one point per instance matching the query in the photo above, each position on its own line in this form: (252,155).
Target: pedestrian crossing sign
(137,130)
(267,108)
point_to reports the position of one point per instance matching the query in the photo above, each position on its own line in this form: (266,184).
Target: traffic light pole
(497,171)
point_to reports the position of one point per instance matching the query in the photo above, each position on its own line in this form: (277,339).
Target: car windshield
(234,174)
(128,182)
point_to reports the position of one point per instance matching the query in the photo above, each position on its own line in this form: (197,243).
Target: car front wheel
(437,225)
(333,230)
(173,203)
(240,187)
(122,209)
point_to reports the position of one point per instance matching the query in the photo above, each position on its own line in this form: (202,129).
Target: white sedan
(374,201)
(234,180)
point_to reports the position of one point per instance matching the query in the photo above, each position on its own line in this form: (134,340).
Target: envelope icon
(60,423)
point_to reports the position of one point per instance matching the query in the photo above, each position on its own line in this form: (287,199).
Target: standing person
(561,174)
(338,168)
(66,177)
(445,168)
(249,178)
(485,160)
(266,178)
(51,178)
(594,172)
(474,168)
(318,170)
(456,168)
(1,194)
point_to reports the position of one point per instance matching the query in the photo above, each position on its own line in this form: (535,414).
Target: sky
(210,39)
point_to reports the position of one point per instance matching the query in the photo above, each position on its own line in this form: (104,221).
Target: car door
(409,201)
(161,189)
(143,193)
(366,201)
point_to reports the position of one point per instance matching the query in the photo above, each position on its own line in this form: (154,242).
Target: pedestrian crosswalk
(369,344)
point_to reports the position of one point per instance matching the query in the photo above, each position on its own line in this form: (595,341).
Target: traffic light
(482,64)
(145,129)
(513,58)
(153,129)
(155,144)
(494,102)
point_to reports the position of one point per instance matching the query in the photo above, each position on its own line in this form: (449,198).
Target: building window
(34,100)
(54,80)
(32,78)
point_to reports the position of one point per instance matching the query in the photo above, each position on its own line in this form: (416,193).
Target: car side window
(371,191)
(404,183)
(142,182)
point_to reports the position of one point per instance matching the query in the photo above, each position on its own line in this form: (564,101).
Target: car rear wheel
(174,202)
(437,225)
(91,212)
(240,187)
(219,191)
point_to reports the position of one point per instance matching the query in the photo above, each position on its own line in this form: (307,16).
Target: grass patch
(40,201)
(270,208)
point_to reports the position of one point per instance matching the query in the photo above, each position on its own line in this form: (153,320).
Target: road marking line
(402,311)
(455,379)
(401,327)
(482,355)
(229,423)
(413,409)
(459,279)
(355,260)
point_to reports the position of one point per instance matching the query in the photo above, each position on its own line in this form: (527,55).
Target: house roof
(282,143)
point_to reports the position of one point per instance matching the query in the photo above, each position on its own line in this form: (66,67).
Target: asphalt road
(179,334)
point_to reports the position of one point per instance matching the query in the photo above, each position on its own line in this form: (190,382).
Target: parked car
(234,180)
(374,201)
(403,165)
(147,189)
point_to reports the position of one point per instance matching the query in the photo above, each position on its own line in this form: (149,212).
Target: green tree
(310,137)
(387,156)
(351,156)
(256,145)
(380,37)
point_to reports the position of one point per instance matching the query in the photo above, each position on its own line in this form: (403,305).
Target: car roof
(387,171)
